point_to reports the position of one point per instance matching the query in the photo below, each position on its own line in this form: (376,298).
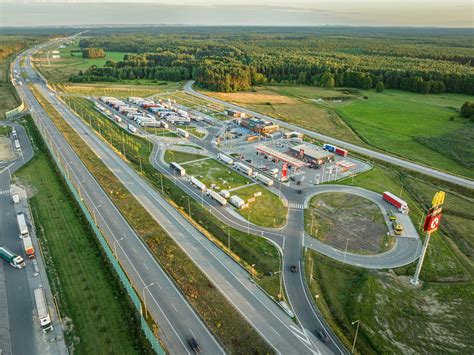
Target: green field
(90,299)
(5,131)
(210,171)
(160,132)
(396,120)
(267,210)
(181,157)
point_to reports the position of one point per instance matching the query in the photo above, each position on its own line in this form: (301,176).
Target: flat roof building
(312,153)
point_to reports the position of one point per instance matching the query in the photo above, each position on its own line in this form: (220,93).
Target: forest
(231,62)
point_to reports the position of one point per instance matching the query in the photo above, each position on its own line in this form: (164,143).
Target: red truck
(396,201)
(341,151)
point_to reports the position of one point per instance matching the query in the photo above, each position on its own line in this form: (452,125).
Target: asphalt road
(269,320)
(21,307)
(367,152)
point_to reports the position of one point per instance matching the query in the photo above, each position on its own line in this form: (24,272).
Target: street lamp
(143,292)
(189,204)
(357,331)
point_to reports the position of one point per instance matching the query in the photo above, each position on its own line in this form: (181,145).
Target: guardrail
(149,334)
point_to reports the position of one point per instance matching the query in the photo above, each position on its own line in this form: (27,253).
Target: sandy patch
(260,97)
(6,150)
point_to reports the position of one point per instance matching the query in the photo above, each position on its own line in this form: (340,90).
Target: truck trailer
(217,197)
(28,247)
(226,159)
(266,180)
(396,201)
(237,201)
(43,311)
(182,133)
(132,128)
(242,167)
(11,258)
(197,183)
(22,225)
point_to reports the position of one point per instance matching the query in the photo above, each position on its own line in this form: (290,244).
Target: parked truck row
(333,149)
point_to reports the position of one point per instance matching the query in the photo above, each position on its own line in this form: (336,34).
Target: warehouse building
(235,114)
(312,154)
(259,126)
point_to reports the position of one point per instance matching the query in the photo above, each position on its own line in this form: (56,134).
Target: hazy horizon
(421,13)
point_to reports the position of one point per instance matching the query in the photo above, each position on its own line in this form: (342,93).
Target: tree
(467,110)
(380,87)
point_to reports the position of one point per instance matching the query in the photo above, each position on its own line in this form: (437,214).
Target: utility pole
(431,225)
(357,332)
(345,251)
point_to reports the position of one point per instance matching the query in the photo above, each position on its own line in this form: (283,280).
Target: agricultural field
(210,171)
(90,298)
(181,157)
(296,109)
(410,124)
(267,210)
(347,221)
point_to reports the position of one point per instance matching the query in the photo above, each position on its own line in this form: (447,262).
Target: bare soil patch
(6,151)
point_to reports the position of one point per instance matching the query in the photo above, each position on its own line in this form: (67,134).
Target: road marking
(146,267)
(174,307)
(296,206)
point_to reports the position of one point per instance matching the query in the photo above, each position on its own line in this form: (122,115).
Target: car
(322,335)
(194,345)
(391,215)
(293,268)
(248,160)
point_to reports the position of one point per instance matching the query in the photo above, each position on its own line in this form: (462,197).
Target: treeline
(93,53)
(235,62)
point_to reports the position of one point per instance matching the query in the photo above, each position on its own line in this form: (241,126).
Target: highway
(365,151)
(262,313)
(177,320)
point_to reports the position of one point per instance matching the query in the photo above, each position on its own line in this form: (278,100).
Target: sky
(437,13)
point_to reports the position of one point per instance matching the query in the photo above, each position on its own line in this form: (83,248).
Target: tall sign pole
(431,225)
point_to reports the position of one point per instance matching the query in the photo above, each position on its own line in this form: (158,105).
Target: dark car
(322,335)
(294,268)
(248,160)
(300,192)
(194,345)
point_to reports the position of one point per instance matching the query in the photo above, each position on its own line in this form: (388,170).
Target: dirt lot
(338,218)
(6,152)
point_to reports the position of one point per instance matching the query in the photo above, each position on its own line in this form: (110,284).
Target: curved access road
(365,151)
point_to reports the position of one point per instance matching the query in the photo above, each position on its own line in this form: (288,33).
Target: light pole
(143,292)
(345,251)
(189,204)
(357,332)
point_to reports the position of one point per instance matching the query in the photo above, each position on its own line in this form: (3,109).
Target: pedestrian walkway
(296,206)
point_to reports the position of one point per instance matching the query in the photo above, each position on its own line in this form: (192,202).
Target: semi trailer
(182,133)
(244,168)
(43,311)
(217,197)
(28,247)
(197,183)
(237,201)
(396,201)
(226,159)
(13,259)
(22,225)
(266,180)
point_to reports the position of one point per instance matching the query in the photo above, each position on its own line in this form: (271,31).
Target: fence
(149,334)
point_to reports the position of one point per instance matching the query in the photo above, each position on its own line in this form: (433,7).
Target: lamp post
(189,204)
(357,332)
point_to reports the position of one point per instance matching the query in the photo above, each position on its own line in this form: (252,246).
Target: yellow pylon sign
(438,199)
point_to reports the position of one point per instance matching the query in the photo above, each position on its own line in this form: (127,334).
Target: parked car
(322,335)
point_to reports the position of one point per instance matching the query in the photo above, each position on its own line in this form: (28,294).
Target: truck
(329,148)
(340,151)
(237,201)
(226,159)
(164,124)
(178,168)
(217,197)
(117,118)
(28,247)
(132,128)
(22,225)
(17,145)
(266,180)
(10,257)
(182,133)
(225,193)
(396,201)
(197,183)
(42,309)
(244,168)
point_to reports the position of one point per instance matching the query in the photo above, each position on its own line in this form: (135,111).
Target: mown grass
(181,157)
(160,132)
(5,131)
(394,316)
(90,298)
(220,316)
(267,210)
(211,171)
(405,124)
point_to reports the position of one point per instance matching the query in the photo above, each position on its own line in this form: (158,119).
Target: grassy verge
(90,297)
(267,210)
(181,157)
(344,220)
(161,132)
(220,316)
(394,316)
(211,171)
(5,131)
(194,131)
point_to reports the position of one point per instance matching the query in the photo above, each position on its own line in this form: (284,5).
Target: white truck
(237,201)
(132,128)
(13,259)
(117,118)
(197,183)
(225,193)
(266,180)
(226,159)
(182,133)
(43,311)
(17,145)
(22,225)
(244,168)
(217,197)
(28,247)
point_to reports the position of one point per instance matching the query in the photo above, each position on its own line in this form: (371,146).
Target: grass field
(345,220)
(267,210)
(160,132)
(181,157)
(398,122)
(296,109)
(394,316)
(211,171)
(5,131)
(8,100)
(220,316)
(89,297)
